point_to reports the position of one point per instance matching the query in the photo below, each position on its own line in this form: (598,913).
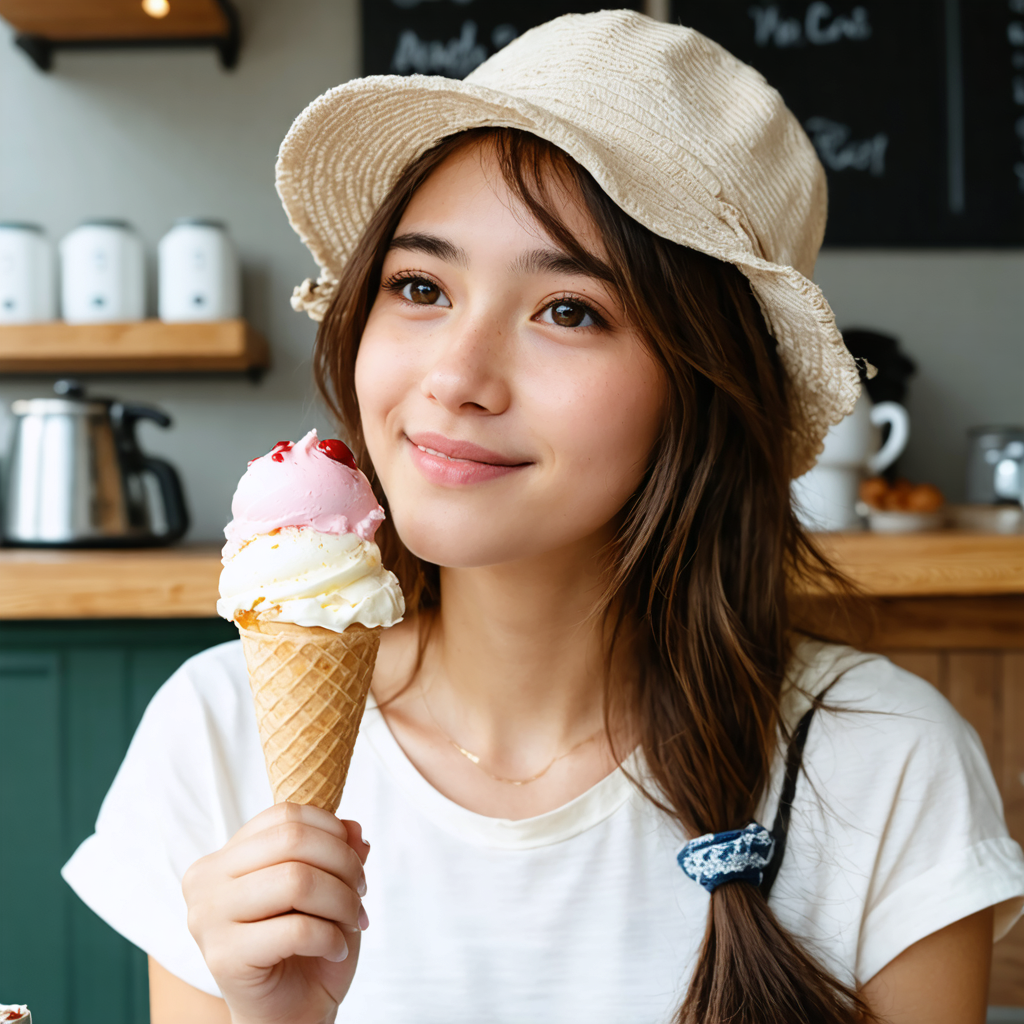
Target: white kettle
(825,498)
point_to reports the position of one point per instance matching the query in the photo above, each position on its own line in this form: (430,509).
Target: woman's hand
(277,914)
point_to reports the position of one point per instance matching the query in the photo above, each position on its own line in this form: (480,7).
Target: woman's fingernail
(364,921)
(361,886)
(341,956)
(365,843)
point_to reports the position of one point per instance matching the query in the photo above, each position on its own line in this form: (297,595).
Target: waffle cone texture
(683,137)
(309,689)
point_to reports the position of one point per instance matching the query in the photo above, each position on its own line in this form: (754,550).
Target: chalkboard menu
(916,108)
(450,37)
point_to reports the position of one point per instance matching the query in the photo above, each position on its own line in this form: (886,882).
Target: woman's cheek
(610,424)
(380,385)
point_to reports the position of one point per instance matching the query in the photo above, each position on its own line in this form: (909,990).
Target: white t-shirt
(581,913)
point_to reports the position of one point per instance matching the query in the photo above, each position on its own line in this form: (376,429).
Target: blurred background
(917,112)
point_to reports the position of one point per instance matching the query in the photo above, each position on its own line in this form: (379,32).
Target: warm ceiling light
(156,8)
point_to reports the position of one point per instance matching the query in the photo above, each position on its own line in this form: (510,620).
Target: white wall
(152,135)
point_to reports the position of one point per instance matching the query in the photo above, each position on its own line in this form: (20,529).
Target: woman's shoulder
(896,804)
(844,678)
(196,752)
(208,695)
(885,744)
(885,737)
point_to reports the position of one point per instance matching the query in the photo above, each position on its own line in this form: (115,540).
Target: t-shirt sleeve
(192,776)
(899,816)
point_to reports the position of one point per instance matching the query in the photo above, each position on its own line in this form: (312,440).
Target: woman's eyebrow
(536,261)
(555,261)
(417,241)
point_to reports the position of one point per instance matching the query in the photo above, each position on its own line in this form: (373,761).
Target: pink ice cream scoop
(310,483)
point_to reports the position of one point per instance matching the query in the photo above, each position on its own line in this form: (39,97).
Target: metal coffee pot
(76,476)
(995,465)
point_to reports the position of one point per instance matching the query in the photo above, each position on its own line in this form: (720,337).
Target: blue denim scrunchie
(719,857)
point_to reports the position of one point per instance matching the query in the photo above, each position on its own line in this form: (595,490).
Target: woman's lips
(445,461)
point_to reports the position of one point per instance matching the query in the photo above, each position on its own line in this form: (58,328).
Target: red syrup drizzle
(338,451)
(279,449)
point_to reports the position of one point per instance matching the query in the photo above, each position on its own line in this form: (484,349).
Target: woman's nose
(469,371)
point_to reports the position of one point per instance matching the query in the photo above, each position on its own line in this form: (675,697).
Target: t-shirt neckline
(590,808)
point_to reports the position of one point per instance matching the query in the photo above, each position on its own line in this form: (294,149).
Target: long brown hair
(708,542)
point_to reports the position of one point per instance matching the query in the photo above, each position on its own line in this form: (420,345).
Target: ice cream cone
(309,687)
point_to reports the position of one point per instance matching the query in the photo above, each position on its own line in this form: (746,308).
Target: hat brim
(347,149)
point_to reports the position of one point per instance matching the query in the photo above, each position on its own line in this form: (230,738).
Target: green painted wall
(71,695)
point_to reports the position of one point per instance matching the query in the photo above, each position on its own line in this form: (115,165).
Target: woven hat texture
(686,139)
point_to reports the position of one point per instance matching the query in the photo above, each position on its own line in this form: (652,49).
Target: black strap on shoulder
(780,827)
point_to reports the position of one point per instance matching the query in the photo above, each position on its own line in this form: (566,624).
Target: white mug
(199,275)
(102,273)
(825,498)
(26,275)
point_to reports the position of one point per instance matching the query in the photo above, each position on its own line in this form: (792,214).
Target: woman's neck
(516,664)
(514,670)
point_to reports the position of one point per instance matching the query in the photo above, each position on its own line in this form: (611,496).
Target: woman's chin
(459,552)
(453,546)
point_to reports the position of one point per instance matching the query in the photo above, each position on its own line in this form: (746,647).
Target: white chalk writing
(820,26)
(454,58)
(502,35)
(1015,35)
(838,153)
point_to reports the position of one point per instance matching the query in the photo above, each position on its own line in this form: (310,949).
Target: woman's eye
(568,314)
(423,292)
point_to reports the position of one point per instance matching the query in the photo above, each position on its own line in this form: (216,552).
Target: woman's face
(507,406)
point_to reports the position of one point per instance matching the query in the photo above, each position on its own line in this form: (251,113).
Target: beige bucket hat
(685,138)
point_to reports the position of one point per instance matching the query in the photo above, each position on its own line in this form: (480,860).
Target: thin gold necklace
(474,759)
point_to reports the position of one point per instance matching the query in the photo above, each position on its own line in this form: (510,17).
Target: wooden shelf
(114,19)
(44,26)
(141,346)
(181,582)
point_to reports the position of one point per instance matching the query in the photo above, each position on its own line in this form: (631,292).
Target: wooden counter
(947,562)
(181,582)
(149,583)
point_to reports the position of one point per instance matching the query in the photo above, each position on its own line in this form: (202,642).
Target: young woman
(563,328)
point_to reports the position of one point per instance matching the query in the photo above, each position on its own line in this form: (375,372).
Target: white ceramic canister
(102,273)
(27,292)
(199,274)
(825,498)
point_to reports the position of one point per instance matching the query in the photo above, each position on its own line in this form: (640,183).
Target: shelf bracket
(40,49)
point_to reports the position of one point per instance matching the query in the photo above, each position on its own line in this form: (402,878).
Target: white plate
(881,521)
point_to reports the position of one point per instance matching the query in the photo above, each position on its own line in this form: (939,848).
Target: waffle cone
(309,687)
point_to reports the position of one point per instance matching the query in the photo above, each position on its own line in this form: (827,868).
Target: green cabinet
(71,695)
